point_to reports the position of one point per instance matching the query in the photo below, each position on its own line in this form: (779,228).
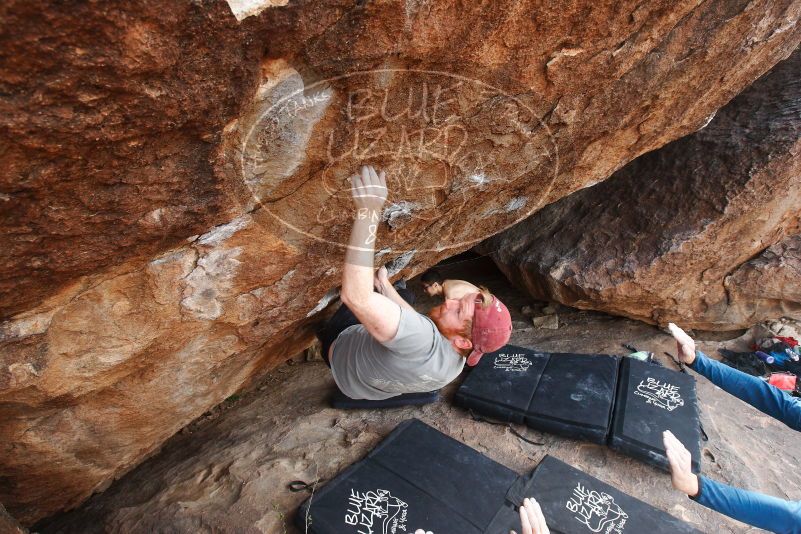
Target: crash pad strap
(297,486)
(514,432)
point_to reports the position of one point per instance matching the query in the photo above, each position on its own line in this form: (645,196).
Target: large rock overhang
(170,241)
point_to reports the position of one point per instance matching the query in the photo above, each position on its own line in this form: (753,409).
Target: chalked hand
(369,189)
(684,344)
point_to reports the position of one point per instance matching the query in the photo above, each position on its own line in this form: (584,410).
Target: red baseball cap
(492,327)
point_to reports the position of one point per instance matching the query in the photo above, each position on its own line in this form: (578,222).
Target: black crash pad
(650,400)
(419,478)
(503,383)
(341,401)
(567,394)
(574,502)
(575,396)
(416,478)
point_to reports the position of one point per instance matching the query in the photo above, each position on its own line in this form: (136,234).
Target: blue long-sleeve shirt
(762,511)
(764,397)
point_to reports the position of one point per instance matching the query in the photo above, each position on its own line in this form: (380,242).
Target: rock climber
(376,344)
(762,511)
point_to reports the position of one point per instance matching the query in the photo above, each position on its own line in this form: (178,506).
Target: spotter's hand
(531,518)
(684,344)
(369,190)
(680,462)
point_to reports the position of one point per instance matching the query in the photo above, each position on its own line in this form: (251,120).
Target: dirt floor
(229,470)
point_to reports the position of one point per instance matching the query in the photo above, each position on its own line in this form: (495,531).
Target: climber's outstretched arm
(379,315)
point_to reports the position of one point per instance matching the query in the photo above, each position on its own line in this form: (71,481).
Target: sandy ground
(229,470)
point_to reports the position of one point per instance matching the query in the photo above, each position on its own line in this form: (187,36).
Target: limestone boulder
(703,232)
(175,199)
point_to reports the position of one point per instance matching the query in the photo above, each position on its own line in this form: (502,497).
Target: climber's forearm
(378,314)
(357,274)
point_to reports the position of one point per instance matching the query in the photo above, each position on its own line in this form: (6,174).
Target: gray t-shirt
(416,360)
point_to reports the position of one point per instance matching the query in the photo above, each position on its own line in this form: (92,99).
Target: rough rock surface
(9,525)
(228,472)
(110,118)
(770,284)
(687,233)
(175,179)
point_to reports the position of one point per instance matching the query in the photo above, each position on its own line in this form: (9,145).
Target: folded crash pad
(416,478)
(503,383)
(419,478)
(650,400)
(574,502)
(567,394)
(575,396)
(341,401)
